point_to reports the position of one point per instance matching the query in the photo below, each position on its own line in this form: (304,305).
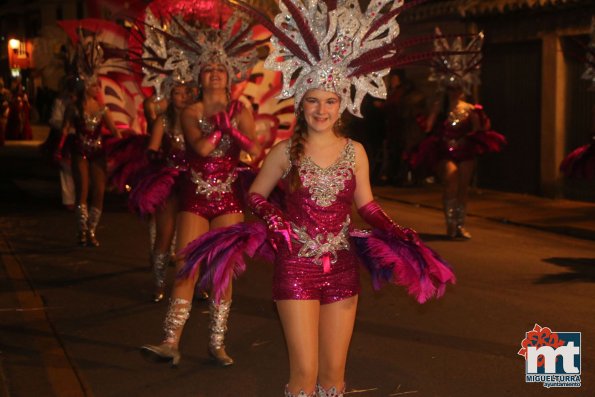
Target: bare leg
(219,311)
(300,321)
(449,198)
(335,330)
(165,224)
(98,172)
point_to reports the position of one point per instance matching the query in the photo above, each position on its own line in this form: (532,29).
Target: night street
(73,318)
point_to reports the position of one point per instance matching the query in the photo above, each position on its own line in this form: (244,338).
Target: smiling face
(213,76)
(321,110)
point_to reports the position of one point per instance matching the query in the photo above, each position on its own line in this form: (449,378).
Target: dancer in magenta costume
(461,131)
(313,244)
(155,191)
(92,121)
(215,130)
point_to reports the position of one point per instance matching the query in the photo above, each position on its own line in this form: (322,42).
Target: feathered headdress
(335,46)
(589,73)
(93,58)
(154,56)
(180,49)
(456,64)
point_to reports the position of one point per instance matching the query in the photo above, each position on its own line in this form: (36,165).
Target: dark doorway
(511,94)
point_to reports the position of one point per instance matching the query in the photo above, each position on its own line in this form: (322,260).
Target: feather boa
(155,184)
(221,253)
(412,265)
(127,157)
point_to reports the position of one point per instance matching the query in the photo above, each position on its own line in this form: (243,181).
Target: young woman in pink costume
(215,130)
(166,153)
(317,252)
(89,117)
(461,130)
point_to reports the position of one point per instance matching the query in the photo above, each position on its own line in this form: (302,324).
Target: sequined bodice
(323,202)
(174,146)
(221,161)
(458,123)
(89,125)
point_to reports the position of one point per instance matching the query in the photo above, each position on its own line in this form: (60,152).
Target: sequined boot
(82,216)
(332,392)
(218,326)
(159,263)
(177,314)
(460,213)
(94,217)
(449,216)
(300,394)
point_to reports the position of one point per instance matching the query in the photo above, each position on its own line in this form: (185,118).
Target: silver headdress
(589,73)
(181,49)
(157,73)
(93,58)
(456,64)
(335,46)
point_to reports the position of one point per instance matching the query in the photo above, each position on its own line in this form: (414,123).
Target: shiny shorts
(301,279)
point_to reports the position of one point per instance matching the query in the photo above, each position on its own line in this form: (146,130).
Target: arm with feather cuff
(376,217)
(273,217)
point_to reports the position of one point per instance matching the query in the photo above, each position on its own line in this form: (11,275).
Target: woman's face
(321,109)
(93,90)
(180,96)
(213,76)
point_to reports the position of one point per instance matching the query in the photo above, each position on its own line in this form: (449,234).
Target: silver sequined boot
(177,315)
(449,217)
(300,394)
(82,217)
(460,213)
(94,217)
(159,263)
(332,392)
(218,326)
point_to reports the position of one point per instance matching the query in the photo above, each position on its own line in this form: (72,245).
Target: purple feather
(127,156)
(154,187)
(412,265)
(221,252)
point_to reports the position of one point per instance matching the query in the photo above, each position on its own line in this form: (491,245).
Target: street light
(14,44)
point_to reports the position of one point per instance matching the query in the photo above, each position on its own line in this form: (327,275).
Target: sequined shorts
(208,207)
(298,278)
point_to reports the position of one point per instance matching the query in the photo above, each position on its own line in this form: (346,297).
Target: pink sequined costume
(154,183)
(89,141)
(208,189)
(321,264)
(455,140)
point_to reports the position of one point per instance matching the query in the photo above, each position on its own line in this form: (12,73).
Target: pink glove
(376,217)
(223,123)
(273,217)
(214,138)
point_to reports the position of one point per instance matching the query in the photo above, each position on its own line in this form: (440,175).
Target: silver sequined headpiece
(157,73)
(456,64)
(589,73)
(334,46)
(188,47)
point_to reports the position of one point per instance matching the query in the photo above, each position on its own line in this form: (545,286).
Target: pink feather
(154,187)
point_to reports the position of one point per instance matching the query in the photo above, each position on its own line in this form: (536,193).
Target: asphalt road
(73,318)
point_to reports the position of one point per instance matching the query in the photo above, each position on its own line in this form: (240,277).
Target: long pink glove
(273,217)
(376,217)
(223,123)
